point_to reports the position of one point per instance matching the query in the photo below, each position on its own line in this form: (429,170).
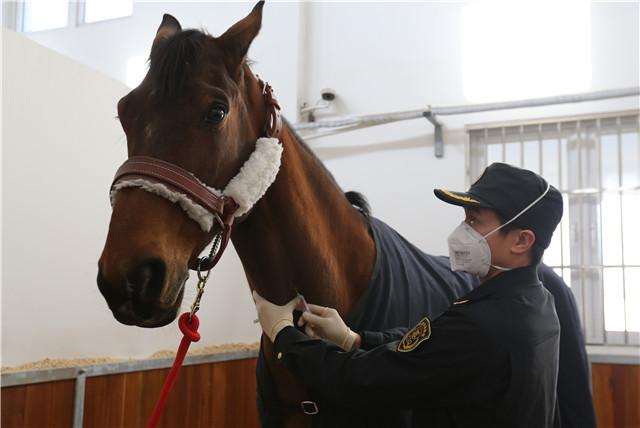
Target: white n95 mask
(469,250)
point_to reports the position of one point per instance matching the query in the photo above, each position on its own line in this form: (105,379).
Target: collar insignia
(415,336)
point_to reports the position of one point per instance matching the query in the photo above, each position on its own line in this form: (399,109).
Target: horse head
(200,109)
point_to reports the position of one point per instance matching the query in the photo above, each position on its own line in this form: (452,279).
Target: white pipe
(379,119)
(367,120)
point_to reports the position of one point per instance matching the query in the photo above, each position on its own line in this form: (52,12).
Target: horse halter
(177,179)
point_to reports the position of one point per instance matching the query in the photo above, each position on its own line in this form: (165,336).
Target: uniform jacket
(491,360)
(574,388)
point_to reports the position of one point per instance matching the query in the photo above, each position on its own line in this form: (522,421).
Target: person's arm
(326,323)
(447,362)
(371,339)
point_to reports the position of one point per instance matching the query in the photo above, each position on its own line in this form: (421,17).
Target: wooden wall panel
(38,405)
(207,395)
(104,400)
(224,395)
(132,411)
(616,395)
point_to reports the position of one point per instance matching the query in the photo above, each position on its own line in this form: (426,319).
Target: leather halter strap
(174,176)
(207,263)
(273,125)
(222,207)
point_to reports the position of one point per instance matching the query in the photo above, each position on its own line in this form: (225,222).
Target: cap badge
(415,336)
(459,197)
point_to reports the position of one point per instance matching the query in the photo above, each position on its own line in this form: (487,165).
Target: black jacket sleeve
(456,365)
(371,339)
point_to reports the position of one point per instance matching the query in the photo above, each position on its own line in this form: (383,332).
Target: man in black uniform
(491,360)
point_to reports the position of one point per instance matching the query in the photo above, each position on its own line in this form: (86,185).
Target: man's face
(485,220)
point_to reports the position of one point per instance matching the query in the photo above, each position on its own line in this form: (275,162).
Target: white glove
(326,323)
(274,318)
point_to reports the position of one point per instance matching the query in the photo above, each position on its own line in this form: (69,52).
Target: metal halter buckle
(309,407)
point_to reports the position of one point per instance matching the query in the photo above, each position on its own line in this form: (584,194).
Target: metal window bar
(588,272)
(592,266)
(503,141)
(632,337)
(561,184)
(600,180)
(615,337)
(521,146)
(620,337)
(578,232)
(540,148)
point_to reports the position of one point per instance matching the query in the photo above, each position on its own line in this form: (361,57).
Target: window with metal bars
(595,162)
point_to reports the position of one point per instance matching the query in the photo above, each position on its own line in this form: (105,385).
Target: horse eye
(216,113)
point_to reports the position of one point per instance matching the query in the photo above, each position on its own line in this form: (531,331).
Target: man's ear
(524,241)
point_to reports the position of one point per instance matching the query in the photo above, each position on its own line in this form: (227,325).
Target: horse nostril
(146,278)
(107,290)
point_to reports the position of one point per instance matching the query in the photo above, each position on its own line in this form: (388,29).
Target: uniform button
(279,356)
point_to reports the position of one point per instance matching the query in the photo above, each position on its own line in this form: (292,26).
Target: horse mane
(359,202)
(356,199)
(169,62)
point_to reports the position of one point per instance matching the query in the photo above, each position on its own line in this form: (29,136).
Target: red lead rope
(189,328)
(188,322)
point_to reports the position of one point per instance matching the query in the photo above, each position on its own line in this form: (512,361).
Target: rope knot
(189,327)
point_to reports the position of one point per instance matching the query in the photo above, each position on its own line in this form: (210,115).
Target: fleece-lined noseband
(202,203)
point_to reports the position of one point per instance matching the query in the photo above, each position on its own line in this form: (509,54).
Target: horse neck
(304,235)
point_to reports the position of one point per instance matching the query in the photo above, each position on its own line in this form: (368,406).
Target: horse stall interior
(215,390)
(212,390)
(67,362)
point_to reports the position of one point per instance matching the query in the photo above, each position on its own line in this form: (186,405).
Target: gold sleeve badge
(415,336)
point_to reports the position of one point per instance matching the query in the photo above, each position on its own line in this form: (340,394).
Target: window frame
(14,12)
(590,301)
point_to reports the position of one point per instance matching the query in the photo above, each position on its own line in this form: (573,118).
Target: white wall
(61,147)
(107,46)
(380,57)
(74,121)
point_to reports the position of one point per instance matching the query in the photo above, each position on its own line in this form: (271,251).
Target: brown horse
(200,107)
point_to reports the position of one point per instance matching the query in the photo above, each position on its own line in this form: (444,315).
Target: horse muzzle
(144,296)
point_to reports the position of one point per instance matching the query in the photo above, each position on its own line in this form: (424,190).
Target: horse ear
(168,27)
(238,38)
